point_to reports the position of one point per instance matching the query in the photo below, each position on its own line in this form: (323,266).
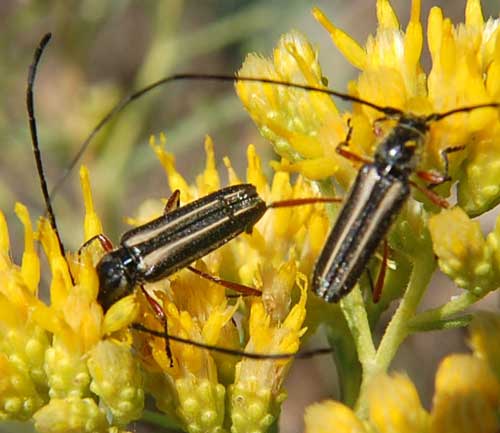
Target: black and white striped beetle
(379,191)
(176,239)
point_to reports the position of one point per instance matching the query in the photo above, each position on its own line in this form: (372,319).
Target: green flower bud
(462,251)
(19,398)
(201,404)
(117,380)
(67,372)
(71,415)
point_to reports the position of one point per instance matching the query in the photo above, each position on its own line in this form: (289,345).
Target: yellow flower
(199,311)
(73,363)
(395,405)
(467,396)
(46,350)
(332,417)
(71,414)
(484,333)
(23,384)
(466,399)
(390,57)
(306,128)
(119,388)
(271,257)
(256,394)
(465,72)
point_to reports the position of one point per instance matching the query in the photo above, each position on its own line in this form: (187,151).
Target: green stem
(354,311)
(274,427)
(456,305)
(355,314)
(348,366)
(440,325)
(397,330)
(160,420)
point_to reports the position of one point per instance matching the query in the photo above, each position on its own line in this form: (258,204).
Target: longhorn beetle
(376,197)
(172,241)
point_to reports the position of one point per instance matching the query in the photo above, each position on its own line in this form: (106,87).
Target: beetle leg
(436,179)
(172,202)
(161,316)
(432,196)
(105,242)
(343,149)
(377,289)
(240,288)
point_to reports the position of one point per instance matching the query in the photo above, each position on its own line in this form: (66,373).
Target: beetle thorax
(399,151)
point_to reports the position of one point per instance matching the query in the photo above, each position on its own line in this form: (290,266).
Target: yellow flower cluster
(69,367)
(467,395)
(53,356)
(210,387)
(306,127)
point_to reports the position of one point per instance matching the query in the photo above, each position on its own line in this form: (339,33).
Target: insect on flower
(171,242)
(377,195)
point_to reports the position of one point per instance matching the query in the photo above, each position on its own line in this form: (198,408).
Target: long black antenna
(434,117)
(390,112)
(251,355)
(34,136)
(120,106)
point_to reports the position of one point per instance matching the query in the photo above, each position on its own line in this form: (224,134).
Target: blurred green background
(101,51)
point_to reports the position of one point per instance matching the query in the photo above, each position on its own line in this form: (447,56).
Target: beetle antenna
(434,117)
(34,136)
(250,355)
(120,106)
